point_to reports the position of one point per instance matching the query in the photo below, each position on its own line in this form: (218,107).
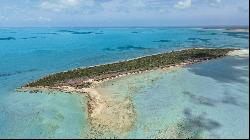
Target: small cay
(87,77)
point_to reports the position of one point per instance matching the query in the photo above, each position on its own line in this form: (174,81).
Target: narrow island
(106,114)
(85,77)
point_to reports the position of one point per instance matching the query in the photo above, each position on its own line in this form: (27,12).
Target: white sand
(241,53)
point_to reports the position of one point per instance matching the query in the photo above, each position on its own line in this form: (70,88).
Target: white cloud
(218,1)
(47,5)
(183,4)
(107,6)
(2,18)
(42,19)
(134,5)
(215,2)
(60,5)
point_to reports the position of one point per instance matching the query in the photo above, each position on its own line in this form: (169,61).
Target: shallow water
(194,102)
(30,53)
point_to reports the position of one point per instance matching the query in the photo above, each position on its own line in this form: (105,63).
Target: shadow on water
(226,99)
(234,100)
(200,100)
(190,127)
(223,70)
(199,123)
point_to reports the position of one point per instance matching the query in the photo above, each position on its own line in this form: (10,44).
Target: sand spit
(241,53)
(107,116)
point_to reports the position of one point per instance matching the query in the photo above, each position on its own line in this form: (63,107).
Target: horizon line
(191,26)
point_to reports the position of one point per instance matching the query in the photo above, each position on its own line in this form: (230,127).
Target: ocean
(213,95)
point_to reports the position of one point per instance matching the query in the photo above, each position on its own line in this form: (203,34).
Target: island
(107,114)
(87,77)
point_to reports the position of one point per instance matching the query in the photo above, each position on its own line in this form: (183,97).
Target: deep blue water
(30,53)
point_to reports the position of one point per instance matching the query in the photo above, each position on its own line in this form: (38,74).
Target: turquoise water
(208,100)
(30,53)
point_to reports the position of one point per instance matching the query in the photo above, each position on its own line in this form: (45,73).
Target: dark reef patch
(163,40)
(125,48)
(130,47)
(134,32)
(99,33)
(243,35)
(47,33)
(200,31)
(17,72)
(33,37)
(236,27)
(199,39)
(108,49)
(82,32)
(213,34)
(74,32)
(8,38)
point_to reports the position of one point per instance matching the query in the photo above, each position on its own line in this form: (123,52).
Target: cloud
(60,5)
(184,4)
(2,18)
(134,5)
(43,19)
(105,6)
(214,2)
(218,1)
(40,19)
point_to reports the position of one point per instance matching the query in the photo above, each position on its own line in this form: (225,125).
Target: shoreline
(71,89)
(85,77)
(95,82)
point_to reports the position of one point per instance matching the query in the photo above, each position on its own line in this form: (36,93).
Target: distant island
(86,77)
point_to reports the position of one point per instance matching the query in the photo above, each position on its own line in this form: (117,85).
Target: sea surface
(209,99)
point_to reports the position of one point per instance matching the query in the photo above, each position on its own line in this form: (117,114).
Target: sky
(122,13)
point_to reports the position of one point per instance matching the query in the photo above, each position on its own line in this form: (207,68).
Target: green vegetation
(78,77)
